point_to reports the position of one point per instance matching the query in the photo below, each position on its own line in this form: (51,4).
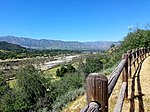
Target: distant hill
(57,44)
(104,45)
(5,46)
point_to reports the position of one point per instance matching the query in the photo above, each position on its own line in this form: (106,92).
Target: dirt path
(139,97)
(145,84)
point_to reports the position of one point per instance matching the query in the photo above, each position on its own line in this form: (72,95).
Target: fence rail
(99,88)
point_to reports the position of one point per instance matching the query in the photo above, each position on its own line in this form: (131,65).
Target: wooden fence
(99,88)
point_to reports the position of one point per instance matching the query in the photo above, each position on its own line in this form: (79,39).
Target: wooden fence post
(97,90)
(129,62)
(148,50)
(145,51)
(125,73)
(140,53)
(133,56)
(137,54)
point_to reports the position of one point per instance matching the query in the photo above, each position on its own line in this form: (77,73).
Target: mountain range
(57,44)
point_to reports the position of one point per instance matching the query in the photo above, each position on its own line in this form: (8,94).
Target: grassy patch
(51,73)
(12,83)
(4,51)
(76,105)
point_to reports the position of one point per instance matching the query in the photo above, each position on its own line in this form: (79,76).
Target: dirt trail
(145,83)
(141,95)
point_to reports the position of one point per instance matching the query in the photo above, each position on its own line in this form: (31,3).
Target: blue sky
(72,20)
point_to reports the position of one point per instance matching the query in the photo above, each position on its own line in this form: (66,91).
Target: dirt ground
(142,89)
(145,84)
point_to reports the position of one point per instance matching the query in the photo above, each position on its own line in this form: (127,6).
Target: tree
(3,86)
(112,45)
(93,64)
(58,73)
(6,97)
(62,71)
(30,87)
(65,69)
(70,68)
(138,38)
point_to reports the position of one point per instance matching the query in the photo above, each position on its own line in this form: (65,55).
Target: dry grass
(12,83)
(76,105)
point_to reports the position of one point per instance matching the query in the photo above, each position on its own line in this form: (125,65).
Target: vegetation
(28,91)
(62,101)
(135,39)
(65,69)
(33,92)
(93,64)
(51,73)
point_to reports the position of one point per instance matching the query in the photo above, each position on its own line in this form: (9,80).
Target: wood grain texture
(119,104)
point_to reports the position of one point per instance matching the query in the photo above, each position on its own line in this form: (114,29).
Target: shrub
(65,69)
(62,101)
(93,64)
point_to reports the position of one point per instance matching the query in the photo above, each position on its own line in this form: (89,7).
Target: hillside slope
(11,47)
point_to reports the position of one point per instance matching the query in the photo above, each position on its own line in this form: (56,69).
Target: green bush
(62,101)
(93,64)
(26,94)
(68,83)
(135,39)
(70,68)
(65,69)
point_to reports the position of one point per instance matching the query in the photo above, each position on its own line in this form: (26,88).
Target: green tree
(70,68)
(58,73)
(93,64)
(3,86)
(112,45)
(30,87)
(65,69)
(62,71)
(6,96)
(138,38)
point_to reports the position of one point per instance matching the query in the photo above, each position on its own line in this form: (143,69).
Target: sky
(72,20)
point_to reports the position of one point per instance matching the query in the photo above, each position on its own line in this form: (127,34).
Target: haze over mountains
(57,44)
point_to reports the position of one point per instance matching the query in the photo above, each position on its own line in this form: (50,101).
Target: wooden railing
(99,88)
